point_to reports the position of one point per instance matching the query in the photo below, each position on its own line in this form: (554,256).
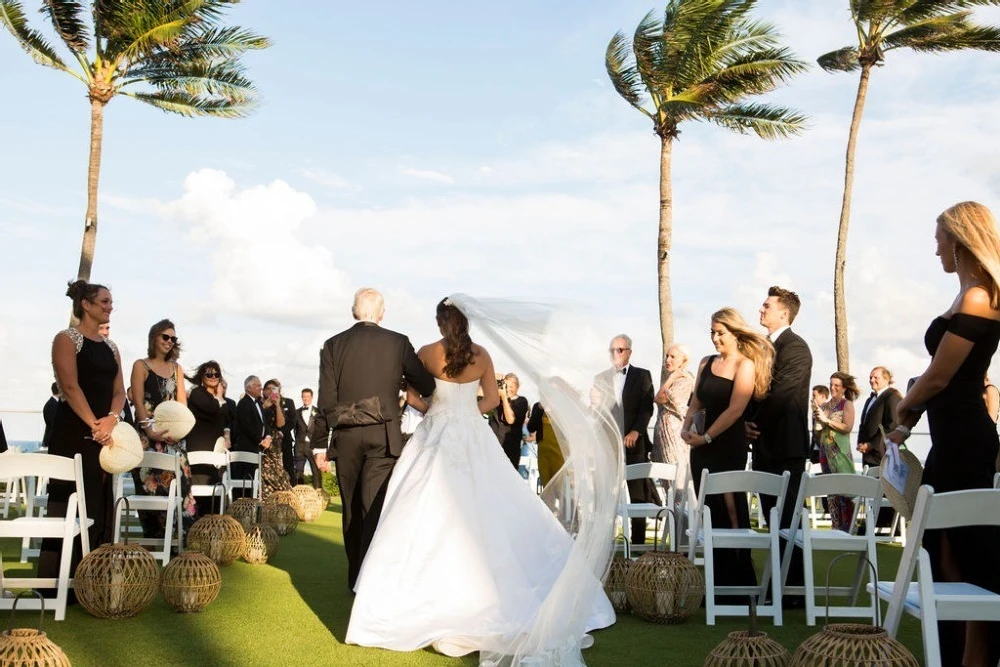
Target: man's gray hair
(250,379)
(369,306)
(626,338)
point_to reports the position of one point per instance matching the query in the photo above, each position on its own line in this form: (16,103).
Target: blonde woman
(964,444)
(672,402)
(726,382)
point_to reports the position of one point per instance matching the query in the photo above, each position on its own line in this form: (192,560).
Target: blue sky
(478,147)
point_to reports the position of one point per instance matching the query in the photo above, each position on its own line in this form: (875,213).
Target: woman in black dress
(88,371)
(272,469)
(725,383)
(964,441)
(207,403)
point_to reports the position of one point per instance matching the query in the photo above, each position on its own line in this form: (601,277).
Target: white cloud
(427,175)
(326,178)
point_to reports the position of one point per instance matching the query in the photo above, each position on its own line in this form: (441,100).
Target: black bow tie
(624,371)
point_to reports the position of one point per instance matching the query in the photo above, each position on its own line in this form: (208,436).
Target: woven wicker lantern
(190,582)
(749,648)
(116,580)
(218,536)
(244,510)
(27,647)
(282,518)
(850,644)
(285,498)
(663,586)
(261,542)
(312,503)
(614,579)
(325,497)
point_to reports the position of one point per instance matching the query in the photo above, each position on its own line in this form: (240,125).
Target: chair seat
(955,601)
(830,540)
(643,510)
(142,502)
(737,538)
(38,527)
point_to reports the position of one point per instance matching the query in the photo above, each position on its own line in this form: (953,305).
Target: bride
(466,557)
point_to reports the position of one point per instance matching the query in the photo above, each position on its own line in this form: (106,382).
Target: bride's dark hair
(454,325)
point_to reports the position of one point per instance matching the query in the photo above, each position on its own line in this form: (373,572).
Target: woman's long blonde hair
(752,345)
(975,229)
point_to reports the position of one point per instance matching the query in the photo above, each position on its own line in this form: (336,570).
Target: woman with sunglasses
(155,379)
(207,402)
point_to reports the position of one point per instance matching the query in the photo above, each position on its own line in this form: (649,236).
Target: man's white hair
(369,306)
(624,337)
(250,380)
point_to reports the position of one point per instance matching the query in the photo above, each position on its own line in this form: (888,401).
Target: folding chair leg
(809,574)
(928,613)
(775,581)
(859,573)
(709,585)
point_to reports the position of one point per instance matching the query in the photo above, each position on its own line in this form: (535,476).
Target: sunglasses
(168,339)
(211,374)
(619,350)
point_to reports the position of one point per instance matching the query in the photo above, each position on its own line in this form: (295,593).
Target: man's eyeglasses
(211,374)
(168,339)
(619,350)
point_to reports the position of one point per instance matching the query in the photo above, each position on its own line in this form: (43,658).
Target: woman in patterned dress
(272,469)
(155,379)
(672,399)
(837,419)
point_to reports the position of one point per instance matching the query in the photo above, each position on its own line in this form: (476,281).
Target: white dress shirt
(620,376)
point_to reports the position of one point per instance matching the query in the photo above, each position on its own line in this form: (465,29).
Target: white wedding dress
(465,553)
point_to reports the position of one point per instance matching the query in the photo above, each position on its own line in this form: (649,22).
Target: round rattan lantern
(281,517)
(312,503)
(261,542)
(614,579)
(116,580)
(244,510)
(190,582)
(749,648)
(663,586)
(324,497)
(285,498)
(850,645)
(218,536)
(27,647)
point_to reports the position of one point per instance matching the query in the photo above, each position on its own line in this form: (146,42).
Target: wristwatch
(708,438)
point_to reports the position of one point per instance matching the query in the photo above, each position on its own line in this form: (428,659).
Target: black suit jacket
(288,406)
(363,362)
(782,417)
(636,409)
(882,412)
(302,429)
(248,429)
(49,415)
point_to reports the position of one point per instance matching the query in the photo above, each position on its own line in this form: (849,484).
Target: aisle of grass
(294,611)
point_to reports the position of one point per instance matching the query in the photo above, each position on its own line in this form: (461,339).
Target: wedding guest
(49,414)
(626,391)
(964,443)
(673,399)
(208,405)
(230,407)
(778,426)
(836,416)
(726,382)
(155,379)
(303,444)
(820,395)
(3,439)
(550,456)
(991,395)
(273,475)
(511,412)
(879,411)
(248,430)
(287,431)
(127,410)
(89,378)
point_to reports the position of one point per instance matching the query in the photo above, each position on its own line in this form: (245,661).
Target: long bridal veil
(545,344)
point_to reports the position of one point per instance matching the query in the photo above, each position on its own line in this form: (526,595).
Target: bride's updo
(457,342)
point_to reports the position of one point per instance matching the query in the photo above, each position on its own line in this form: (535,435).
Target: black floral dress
(272,467)
(157,389)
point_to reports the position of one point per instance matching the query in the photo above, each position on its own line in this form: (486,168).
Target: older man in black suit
(879,410)
(778,426)
(627,392)
(360,371)
(248,433)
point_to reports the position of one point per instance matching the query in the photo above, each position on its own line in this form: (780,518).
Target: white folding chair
(897,531)
(741,481)
(666,473)
(932,601)
(996,481)
(66,528)
(173,528)
(867,492)
(231,482)
(36,500)
(218,459)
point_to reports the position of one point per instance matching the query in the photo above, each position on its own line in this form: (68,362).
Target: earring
(954,255)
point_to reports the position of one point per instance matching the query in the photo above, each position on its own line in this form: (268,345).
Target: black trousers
(796,466)
(364,465)
(288,457)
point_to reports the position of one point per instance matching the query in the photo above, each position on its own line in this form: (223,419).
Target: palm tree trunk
(663,245)
(839,297)
(93,175)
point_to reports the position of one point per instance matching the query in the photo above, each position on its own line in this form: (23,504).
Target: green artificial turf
(295,609)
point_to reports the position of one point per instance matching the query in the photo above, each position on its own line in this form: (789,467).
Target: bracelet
(118,418)
(904,430)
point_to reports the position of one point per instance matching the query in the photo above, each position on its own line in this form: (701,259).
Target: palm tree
(884,25)
(701,61)
(172,54)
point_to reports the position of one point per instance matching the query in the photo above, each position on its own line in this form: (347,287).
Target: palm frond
(841,60)
(646,48)
(67,19)
(952,32)
(216,79)
(186,104)
(874,11)
(12,18)
(922,10)
(764,120)
(623,73)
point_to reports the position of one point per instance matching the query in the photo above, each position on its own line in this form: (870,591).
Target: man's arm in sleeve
(326,398)
(645,411)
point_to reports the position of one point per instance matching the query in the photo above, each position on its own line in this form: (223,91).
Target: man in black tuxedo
(248,433)
(627,392)
(778,425)
(49,414)
(360,371)
(303,443)
(879,410)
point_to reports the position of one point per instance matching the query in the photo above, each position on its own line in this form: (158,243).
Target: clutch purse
(698,423)
(364,412)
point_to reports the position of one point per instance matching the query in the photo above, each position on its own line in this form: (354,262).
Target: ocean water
(25,445)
